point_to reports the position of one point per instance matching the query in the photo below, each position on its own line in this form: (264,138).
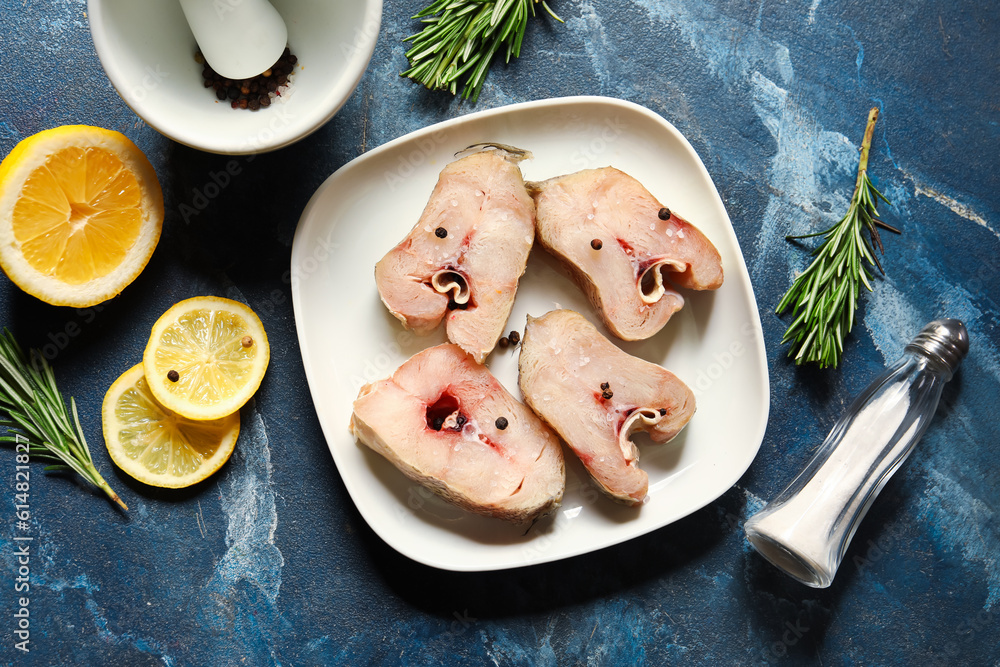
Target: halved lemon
(157,446)
(206,357)
(80,213)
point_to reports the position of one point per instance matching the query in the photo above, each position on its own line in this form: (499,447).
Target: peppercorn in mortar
(256,92)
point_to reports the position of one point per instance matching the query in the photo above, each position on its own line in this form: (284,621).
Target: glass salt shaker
(806,529)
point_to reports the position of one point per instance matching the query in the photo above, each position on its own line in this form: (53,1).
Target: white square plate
(348,338)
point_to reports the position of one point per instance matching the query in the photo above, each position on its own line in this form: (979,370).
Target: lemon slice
(159,447)
(80,213)
(206,357)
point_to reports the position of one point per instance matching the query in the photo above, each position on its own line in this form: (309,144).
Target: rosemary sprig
(33,411)
(462,36)
(824,297)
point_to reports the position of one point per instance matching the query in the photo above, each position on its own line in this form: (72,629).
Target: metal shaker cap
(945,341)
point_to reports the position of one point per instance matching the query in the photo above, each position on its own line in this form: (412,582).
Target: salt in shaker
(806,529)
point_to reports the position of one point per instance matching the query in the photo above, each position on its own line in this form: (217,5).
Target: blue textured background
(268,562)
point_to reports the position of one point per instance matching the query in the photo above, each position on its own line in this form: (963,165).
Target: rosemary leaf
(33,411)
(462,37)
(823,298)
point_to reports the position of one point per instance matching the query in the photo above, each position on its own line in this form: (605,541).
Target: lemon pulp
(206,357)
(81,211)
(157,446)
(78,215)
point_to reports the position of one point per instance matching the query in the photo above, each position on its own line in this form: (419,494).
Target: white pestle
(239,38)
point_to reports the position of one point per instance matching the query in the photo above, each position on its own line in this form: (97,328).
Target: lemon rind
(128,465)
(30,154)
(185,408)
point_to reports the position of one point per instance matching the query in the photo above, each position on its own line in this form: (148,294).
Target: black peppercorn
(173,375)
(503,342)
(605,385)
(248,93)
(514,337)
(441,232)
(664,213)
(501,423)
(596,244)
(663,412)
(607,394)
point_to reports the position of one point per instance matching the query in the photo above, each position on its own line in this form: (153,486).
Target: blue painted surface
(269,562)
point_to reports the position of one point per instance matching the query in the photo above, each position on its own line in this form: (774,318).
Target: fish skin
(564,359)
(525,459)
(489,238)
(621,220)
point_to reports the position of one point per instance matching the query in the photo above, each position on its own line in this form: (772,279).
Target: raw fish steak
(596,396)
(617,241)
(447,423)
(462,260)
